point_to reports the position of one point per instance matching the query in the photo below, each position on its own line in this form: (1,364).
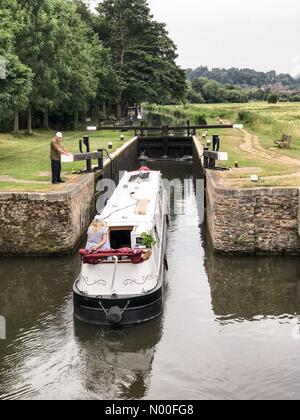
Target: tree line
(246,78)
(204,90)
(65,62)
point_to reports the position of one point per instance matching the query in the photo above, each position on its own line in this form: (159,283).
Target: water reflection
(32,287)
(206,346)
(49,355)
(33,299)
(117,363)
(249,287)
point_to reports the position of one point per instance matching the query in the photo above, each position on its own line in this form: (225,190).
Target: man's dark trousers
(56,170)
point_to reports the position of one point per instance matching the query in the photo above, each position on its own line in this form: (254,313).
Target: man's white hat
(59,135)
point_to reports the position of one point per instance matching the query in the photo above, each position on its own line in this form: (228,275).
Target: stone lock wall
(123,159)
(51,223)
(55,222)
(262,220)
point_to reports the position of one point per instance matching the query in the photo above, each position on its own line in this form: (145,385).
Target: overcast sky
(259,34)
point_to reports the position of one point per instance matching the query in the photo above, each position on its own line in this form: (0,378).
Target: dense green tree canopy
(143,54)
(57,45)
(64,59)
(16,81)
(244,77)
(210,91)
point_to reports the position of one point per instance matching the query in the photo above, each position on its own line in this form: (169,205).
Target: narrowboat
(124,285)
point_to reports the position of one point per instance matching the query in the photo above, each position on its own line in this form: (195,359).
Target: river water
(230,328)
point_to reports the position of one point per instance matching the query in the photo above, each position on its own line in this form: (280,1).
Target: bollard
(86,141)
(80,146)
(100,160)
(89,164)
(216,143)
(122,138)
(110,145)
(206,159)
(189,130)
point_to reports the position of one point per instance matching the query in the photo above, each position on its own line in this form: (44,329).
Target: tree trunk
(29,121)
(104,108)
(46,120)
(84,113)
(125,108)
(16,122)
(119,109)
(123,51)
(76,120)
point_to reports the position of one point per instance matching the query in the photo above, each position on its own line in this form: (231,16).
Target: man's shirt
(54,152)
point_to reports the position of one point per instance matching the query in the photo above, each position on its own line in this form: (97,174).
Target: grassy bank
(266,121)
(25,163)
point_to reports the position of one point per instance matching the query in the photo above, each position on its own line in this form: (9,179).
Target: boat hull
(123,311)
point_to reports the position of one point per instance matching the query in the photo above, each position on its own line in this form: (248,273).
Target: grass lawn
(230,142)
(26,158)
(269,122)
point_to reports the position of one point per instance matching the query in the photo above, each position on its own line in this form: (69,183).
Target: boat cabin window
(142,176)
(120,237)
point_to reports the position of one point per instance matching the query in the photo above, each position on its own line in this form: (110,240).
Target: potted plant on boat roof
(148,240)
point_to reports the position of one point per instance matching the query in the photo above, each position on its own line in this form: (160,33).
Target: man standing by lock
(56,151)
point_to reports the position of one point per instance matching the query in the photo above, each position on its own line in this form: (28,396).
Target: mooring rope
(124,208)
(122,311)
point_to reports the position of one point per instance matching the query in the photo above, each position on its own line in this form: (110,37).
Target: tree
(80,60)
(273,98)
(143,54)
(295,98)
(194,97)
(236,96)
(17,84)
(63,60)
(62,53)
(211,91)
(197,84)
(256,94)
(15,89)
(247,78)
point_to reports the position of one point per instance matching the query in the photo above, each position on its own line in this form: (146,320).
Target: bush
(236,96)
(201,119)
(195,98)
(295,98)
(273,98)
(178,114)
(246,117)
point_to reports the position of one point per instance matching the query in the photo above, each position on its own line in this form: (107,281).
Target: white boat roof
(134,201)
